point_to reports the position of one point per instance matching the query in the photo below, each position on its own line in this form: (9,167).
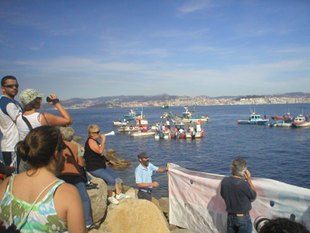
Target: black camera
(48,99)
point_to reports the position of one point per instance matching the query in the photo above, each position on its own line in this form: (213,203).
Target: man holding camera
(238,192)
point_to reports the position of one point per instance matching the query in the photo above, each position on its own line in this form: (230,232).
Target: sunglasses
(97,132)
(11,85)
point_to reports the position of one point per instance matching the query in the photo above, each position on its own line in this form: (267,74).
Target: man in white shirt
(10,109)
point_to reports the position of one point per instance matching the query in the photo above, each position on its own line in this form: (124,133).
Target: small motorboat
(254,119)
(301,121)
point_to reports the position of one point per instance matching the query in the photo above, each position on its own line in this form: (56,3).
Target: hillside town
(183,101)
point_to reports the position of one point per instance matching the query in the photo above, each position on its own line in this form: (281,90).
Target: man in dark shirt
(238,192)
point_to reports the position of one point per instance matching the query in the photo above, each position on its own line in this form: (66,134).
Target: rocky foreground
(130,215)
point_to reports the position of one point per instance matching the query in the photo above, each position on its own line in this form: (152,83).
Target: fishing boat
(301,121)
(281,123)
(285,117)
(130,116)
(142,133)
(254,119)
(189,117)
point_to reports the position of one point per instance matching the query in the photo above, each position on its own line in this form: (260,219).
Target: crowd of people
(44,187)
(38,148)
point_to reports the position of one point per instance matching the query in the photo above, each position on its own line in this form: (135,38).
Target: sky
(89,49)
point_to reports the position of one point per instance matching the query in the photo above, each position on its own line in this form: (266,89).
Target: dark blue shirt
(237,195)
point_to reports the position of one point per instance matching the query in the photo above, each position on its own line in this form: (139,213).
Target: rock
(134,216)
(164,204)
(114,161)
(98,199)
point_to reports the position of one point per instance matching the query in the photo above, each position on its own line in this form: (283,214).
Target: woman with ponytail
(36,200)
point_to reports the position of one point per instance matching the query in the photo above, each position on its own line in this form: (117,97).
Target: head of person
(144,159)
(283,225)
(67,133)
(43,147)
(30,99)
(93,131)
(238,167)
(9,86)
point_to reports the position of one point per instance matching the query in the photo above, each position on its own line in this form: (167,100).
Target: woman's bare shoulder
(3,187)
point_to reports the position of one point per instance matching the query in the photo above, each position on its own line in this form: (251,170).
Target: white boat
(142,134)
(301,121)
(281,123)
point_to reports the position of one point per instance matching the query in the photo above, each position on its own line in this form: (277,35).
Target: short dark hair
(281,225)
(40,145)
(7,77)
(143,155)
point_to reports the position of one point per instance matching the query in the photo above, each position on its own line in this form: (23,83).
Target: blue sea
(276,153)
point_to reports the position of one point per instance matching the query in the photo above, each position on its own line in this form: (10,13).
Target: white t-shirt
(10,109)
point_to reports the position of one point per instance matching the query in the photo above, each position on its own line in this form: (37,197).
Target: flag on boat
(195,201)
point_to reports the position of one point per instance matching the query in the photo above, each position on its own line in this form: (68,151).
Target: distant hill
(174,100)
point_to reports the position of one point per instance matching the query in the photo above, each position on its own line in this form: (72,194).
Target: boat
(301,121)
(142,133)
(130,116)
(285,117)
(281,123)
(189,117)
(254,119)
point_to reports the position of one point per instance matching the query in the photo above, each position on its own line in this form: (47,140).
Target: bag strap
(76,165)
(27,122)
(45,118)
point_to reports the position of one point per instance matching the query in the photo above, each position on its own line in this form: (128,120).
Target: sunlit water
(276,153)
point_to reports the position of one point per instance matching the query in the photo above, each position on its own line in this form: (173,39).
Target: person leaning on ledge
(143,174)
(238,192)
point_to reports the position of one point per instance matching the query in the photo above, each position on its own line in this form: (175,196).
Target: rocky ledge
(131,215)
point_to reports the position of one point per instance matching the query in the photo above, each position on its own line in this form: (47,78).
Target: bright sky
(99,48)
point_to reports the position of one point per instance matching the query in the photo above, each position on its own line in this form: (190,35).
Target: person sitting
(96,163)
(31,118)
(73,172)
(36,200)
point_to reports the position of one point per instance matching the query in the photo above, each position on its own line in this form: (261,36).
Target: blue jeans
(108,175)
(236,224)
(78,182)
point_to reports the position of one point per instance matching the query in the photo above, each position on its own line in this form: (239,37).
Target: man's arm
(247,176)
(147,185)
(162,169)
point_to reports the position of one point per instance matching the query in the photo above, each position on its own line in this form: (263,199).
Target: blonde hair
(92,127)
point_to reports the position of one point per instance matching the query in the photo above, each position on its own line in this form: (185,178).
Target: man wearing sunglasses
(10,109)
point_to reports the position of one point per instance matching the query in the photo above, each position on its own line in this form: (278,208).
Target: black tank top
(93,160)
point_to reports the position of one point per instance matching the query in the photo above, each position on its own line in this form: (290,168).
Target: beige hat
(29,95)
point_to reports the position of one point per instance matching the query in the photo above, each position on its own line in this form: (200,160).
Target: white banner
(195,201)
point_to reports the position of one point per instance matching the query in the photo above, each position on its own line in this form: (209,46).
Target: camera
(48,99)
(259,222)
